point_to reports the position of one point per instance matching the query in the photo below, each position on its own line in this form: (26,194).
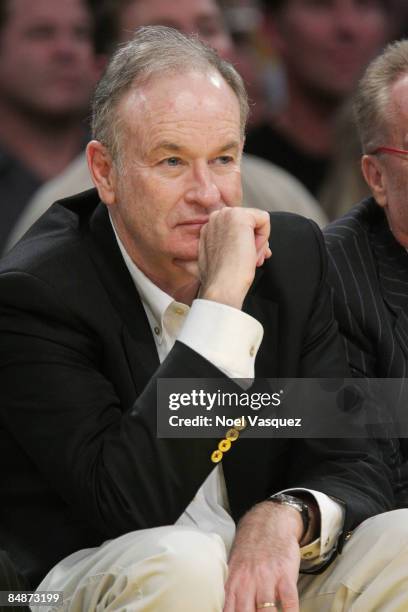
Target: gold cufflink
(232,434)
(224,446)
(216,456)
(242,424)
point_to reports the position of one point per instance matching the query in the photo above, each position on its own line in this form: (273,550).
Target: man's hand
(232,244)
(265,559)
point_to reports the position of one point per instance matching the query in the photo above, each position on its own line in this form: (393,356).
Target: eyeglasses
(389,150)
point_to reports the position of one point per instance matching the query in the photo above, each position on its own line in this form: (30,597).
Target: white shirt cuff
(225,336)
(331,526)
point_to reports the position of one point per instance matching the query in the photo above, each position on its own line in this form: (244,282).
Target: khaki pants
(179,569)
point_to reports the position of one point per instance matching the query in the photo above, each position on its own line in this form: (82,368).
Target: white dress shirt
(229,339)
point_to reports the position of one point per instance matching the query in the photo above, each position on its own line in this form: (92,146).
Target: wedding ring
(266,604)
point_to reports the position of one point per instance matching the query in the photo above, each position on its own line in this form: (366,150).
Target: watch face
(290,500)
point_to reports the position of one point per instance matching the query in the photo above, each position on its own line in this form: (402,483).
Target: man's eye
(82,33)
(224,160)
(40,32)
(172,161)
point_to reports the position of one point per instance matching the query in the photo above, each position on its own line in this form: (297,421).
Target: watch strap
(296,503)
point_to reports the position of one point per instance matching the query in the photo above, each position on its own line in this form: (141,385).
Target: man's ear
(375,177)
(102,170)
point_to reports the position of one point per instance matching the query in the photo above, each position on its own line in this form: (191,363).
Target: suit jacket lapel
(392,262)
(113,273)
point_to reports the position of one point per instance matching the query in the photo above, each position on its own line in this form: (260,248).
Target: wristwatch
(297,504)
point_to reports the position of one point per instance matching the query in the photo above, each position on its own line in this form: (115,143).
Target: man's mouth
(198,221)
(194,224)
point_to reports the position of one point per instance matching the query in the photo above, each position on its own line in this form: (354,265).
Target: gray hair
(153,51)
(372,110)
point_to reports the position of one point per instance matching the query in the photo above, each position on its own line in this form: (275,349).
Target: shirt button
(252,351)
(157,331)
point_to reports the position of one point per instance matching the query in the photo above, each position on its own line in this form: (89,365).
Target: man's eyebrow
(167,145)
(232,145)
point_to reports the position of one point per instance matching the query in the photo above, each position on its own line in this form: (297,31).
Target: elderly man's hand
(232,244)
(265,559)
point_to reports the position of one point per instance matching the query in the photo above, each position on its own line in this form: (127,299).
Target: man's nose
(203,189)
(65,46)
(347,18)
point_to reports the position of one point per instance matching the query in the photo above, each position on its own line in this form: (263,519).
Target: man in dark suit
(159,274)
(368,260)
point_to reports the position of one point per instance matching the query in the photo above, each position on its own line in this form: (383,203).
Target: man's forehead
(189,92)
(396,111)
(399,101)
(400,87)
(27,10)
(179,110)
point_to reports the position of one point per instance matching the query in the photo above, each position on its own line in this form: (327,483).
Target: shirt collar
(152,296)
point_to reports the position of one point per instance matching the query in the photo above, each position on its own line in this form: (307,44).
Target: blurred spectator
(265,186)
(203,17)
(47,73)
(344,184)
(400,18)
(253,54)
(324,46)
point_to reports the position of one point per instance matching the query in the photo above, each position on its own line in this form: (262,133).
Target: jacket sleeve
(363,349)
(350,469)
(107,464)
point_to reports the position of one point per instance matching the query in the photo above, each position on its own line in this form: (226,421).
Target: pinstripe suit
(368,271)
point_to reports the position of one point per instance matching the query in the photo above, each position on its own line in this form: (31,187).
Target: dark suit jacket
(78,368)
(368,271)
(10,580)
